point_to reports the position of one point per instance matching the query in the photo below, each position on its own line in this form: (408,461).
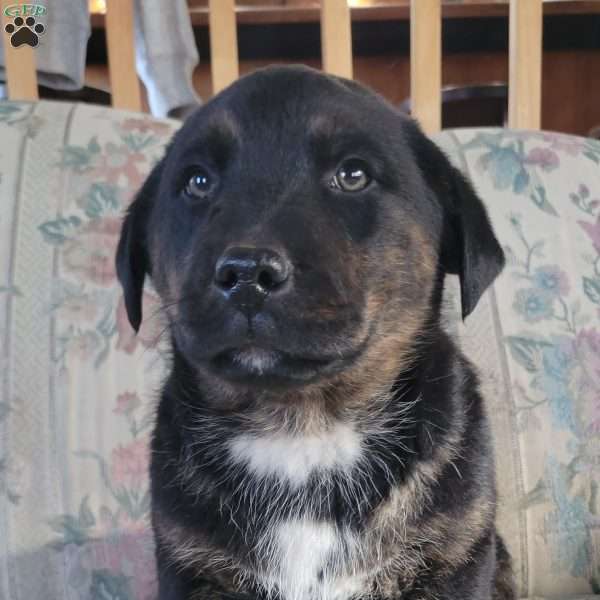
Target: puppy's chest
(301,554)
(305,559)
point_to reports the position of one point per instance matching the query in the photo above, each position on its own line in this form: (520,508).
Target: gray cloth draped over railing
(166,51)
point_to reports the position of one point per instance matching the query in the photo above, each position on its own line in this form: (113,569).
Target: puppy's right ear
(469,246)
(133,259)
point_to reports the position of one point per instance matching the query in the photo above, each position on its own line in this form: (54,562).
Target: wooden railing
(125,87)
(525,61)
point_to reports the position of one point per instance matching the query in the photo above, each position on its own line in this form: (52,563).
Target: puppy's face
(297,228)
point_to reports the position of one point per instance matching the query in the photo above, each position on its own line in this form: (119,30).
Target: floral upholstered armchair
(77,387)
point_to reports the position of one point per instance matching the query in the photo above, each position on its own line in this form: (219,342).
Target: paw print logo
(24,31)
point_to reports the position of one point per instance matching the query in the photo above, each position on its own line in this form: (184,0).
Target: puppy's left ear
(469,247)
(133,260)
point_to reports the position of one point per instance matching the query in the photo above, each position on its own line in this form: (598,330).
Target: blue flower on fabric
(559,357)
(554,381)
(551,279)
(504,166)
(534,304)
(568,524)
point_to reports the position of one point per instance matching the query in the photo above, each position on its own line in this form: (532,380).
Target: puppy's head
(298,228)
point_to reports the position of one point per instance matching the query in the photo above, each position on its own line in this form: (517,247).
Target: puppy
(319,436)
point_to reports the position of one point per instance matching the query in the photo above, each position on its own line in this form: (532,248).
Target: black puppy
(319,436)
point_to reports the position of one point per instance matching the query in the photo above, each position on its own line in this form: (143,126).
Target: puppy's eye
(199,185)
(352,176)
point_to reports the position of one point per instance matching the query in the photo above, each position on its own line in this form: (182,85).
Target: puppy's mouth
(268,367)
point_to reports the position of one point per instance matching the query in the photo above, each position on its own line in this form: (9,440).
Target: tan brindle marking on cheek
(167,280)
(400,320)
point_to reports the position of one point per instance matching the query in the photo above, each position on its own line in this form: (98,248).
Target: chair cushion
(77,388)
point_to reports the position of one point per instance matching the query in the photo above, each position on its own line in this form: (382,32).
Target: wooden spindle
(525,64)
(19,63)
(120,42)
(336,37)
(223,44)
(426,63)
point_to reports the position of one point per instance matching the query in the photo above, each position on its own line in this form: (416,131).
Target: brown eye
(352,176)
(199,185)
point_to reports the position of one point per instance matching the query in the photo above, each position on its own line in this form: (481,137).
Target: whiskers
(164,318)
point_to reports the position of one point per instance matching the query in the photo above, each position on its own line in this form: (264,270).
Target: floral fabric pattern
(74,498)
(77,387)
(542,191)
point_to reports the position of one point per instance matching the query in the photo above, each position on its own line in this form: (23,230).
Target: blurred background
(475,54)
(173,53)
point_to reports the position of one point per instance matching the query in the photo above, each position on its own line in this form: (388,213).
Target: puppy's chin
(256,367)
(267,368)
(254,359)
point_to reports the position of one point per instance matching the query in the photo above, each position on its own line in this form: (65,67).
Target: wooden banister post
(426,63)
(223,44)
(525,64)
(19,63)
(120,42)
(336,38)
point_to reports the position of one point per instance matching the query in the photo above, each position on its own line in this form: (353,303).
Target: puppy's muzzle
(245,276)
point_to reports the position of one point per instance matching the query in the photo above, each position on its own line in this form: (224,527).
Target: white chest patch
(296,457)
(310,560)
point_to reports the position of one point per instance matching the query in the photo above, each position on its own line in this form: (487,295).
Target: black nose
(247,275)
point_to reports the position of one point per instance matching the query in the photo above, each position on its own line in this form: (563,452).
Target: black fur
(360,312)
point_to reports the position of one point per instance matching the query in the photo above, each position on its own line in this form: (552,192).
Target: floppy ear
(469,247)
(133,260)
